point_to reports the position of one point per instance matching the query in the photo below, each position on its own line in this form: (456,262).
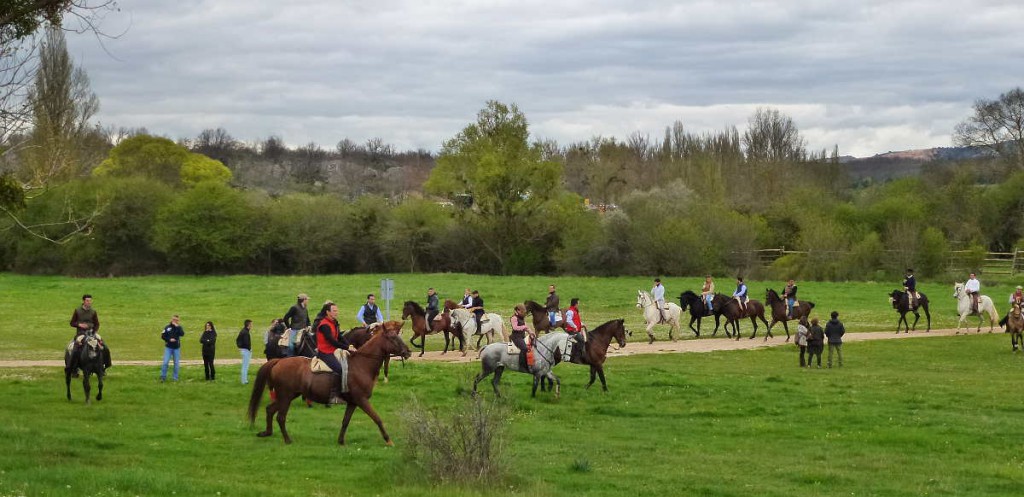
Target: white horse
(963,308)
(490,325)
(653,317)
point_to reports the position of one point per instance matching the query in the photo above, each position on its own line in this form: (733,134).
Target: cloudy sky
(868,76)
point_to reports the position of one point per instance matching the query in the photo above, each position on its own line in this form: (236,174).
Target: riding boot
(336,390)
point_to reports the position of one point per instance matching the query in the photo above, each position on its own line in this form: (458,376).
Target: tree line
(83,200)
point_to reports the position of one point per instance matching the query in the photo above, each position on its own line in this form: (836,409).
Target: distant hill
(891,165)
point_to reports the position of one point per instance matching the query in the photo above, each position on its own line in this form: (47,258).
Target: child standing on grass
(815,342)
(801,340)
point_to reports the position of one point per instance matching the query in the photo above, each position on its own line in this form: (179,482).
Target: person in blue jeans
(172,346)
(244,344)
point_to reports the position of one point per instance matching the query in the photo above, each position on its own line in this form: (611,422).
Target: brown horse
(420,327)
(541,323)
(290,377)
(733,314)
(359,336)
(780,311)
(596,350)
(1015,326)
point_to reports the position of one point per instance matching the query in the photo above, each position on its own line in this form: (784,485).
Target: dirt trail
(639,345)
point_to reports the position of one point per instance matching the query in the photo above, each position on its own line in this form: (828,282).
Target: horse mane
(415,306)
(771,291)
(531,305)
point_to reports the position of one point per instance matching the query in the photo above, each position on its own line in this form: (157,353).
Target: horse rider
(433,306)
(551,305)
(910,286)
(518,335)
(83,320)
(467,299)
(658,294)
(741,294)
(707,293)
(1017,297)
(369,313)
(477,308)
(575,328)
(973,288)
(296,319)
(789,295)
(327,341)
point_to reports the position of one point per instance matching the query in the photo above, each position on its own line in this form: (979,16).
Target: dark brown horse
(698,310)
(596,350)
(541,323)
(1015,326)
(733,314)
(780,311)
(89,358)
(290,377)
(420,327)
(901,302)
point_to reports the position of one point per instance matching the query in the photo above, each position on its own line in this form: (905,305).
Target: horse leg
(423,339)
(445,343)
(917,316)
(478,338)
(497,377)
(67,381)
(387,367)
(558,383)
(368,409)
(536,381)
(650,326)
(282,415)
(483,374)
(697,329)
(349,409)
(99,387)
(600,373)
(270,410)
(88,387)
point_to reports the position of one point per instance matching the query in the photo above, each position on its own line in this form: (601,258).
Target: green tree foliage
(163,160)
(310,234)
(518,198)
(416,233)
(211,227)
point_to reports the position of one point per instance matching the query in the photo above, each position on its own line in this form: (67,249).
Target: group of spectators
(810,338)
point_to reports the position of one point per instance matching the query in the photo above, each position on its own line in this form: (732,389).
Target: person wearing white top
(973,288)
(658,294)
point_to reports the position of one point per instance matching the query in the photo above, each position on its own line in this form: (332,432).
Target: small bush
(461,445)
(581,465)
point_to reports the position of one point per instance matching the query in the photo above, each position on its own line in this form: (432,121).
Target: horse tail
(257,389)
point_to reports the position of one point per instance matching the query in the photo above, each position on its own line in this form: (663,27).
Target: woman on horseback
(519,332)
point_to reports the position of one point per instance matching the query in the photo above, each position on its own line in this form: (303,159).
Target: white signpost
(387,292)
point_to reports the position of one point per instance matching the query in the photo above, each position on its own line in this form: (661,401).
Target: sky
(866,76)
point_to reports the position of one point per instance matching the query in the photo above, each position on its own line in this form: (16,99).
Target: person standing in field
(296,320)
(815,342)
(244,343)
(209,341)
(172,346)
(801,340)
(835,330)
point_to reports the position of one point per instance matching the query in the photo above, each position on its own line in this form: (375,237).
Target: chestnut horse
(780,311)
(1015,326)
(901,302)
(420,327)
(733,314)
(541,323)
(358,336)
(290,377)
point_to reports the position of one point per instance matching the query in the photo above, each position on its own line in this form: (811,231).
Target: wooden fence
(994,263)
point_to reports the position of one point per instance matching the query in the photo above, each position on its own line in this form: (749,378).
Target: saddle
(317,367)
(512,349)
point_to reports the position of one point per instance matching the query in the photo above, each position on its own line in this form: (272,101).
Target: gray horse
(548,350)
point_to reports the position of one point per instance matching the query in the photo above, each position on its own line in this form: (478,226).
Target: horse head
(771,296)
(958,288)
(894,298)
(393,344)
(450,304)
(619,332)
(641,298)
(1015,311)
(688,298)
(532,306)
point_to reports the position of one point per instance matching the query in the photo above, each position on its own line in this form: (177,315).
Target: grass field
(933,416)
(35,311)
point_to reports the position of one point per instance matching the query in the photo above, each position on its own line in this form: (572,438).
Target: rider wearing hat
(910,286)
(296,320)
(1017,297)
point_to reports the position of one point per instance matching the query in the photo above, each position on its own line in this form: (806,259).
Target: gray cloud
(870,76)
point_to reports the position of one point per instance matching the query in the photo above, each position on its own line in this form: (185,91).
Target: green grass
(913,417)
(35,311)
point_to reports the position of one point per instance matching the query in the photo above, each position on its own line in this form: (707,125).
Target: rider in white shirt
(973,288)
(658,294)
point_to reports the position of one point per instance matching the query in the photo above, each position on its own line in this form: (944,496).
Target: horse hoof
(389,443)
(263,434)
(288,441)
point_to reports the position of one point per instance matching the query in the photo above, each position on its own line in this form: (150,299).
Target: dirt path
(638,346)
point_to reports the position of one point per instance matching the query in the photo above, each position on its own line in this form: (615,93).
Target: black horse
(89,357)
(698,309)
(901,302)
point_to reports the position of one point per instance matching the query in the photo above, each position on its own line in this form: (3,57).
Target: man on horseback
(910,286)
(658,294)
(741,294)
(84,319)
(518,336)
(551,305)
(433,307)
(327,341)
(973,288)
(477,308)
(296,320)
(707,293)
(789,294)
(1017,297)
(369,313)
(575,328)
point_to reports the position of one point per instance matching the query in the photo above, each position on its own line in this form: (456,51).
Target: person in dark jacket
(815,342)
(433,307)
(835,330)
(84,319)
(329,339)
(244,343)
(551,305)
(296,319)
(209,341)
(477,309)
(910,286)
(172,346)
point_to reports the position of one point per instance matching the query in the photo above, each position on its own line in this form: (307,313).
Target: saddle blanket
(93,341)
(318,366)
(512,349)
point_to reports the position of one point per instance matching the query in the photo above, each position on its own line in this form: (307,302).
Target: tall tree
(517,197)
(997,125)
(771,136)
